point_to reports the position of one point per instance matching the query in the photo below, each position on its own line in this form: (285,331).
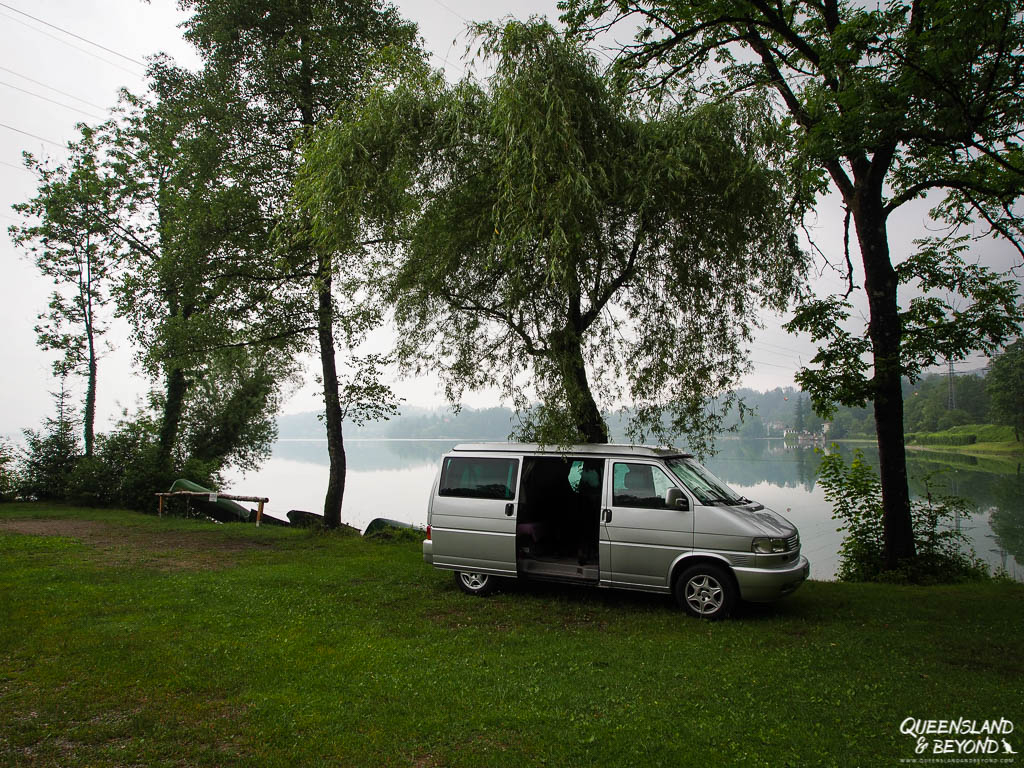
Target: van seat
(533,531)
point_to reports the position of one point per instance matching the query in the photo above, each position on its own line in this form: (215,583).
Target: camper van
(632,517)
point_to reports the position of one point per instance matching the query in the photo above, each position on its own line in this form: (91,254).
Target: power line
(51,88)
(72,34)
(447,63)
(773,365)
(15,167)
(32,135)
(54,101)
(443,5)
(71,45)
(786,355)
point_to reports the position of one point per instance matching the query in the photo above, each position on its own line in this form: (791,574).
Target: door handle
(606,515)
(510,509)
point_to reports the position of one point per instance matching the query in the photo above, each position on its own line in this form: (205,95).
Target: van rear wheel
(479,584)
(706,591)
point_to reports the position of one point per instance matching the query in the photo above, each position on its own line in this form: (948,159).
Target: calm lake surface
(392,478)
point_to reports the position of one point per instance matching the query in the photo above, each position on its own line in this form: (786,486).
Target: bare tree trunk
(884,328)
(568,353)
(332,405)
(90,395)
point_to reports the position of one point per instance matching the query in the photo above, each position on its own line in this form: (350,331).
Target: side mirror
(676,499)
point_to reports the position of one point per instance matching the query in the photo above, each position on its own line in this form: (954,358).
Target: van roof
(596,449)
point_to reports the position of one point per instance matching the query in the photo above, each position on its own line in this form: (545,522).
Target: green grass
(989,439)
(130,640)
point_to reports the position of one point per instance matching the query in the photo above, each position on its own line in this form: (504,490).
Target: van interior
(558,521)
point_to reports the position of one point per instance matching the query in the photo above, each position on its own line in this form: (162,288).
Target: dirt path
(127,545)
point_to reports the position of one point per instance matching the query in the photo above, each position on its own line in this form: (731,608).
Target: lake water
(392,478)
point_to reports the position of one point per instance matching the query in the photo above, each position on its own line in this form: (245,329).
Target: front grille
(793,542)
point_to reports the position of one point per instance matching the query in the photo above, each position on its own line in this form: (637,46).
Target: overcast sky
(63,62)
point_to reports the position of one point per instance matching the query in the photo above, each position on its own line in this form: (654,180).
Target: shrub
(939,438)
(127,471)
(8,471)
(48,461)
(943,553)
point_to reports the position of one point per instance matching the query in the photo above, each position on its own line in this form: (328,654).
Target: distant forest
(927,409)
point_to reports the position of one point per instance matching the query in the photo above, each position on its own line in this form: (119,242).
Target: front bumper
(763,585)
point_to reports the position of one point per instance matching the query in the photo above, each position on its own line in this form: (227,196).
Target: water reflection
(392,478)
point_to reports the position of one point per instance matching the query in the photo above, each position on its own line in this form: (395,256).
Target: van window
(479,478)
(639,485)
(705,486)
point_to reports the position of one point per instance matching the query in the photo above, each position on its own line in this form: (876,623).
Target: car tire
(479,584)
(706,591)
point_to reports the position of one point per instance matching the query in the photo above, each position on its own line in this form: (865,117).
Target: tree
(8,473)
(800,414)
(49,457)
(556,244)
(1005,385)
(295,64)
(210,314)
(886,103)
(73,245)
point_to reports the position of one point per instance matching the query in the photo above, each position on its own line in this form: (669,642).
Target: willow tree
(552,241)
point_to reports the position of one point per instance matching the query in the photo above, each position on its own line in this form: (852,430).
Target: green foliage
(50,454)
(557,244)
(363,397)
(128,468)
(231,406)
(942,439)
(885,103)
(856,496)
(978,310)
(926,404)
(1005,385)
(70,235)
(9,481)
(293,65)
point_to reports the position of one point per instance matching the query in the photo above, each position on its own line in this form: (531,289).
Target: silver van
(627,516)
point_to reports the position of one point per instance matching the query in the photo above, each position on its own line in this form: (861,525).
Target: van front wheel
(706,591)
(476,583)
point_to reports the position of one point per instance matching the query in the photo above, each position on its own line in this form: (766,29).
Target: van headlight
(767,546)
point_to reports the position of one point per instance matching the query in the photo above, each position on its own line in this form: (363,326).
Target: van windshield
(706,487)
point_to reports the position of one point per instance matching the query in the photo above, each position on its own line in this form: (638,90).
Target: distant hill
(423,423)
(780,409)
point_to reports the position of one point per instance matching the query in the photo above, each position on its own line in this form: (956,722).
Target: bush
(943,553)
(939,438)
(8,471)
(48,462)
(127,471)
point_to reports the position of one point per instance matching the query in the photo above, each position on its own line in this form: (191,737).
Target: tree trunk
(332,403)
(90,395)
(568,353)
(885,330)
(174,404)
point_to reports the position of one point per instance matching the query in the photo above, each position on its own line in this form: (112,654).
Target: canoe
(224,510)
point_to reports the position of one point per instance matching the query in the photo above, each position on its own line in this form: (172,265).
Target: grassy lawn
(990,440)
(130,640)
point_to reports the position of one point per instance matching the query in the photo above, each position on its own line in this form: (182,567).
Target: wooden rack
(213,497)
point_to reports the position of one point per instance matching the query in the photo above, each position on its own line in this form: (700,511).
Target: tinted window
(475,478)
(640,485)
